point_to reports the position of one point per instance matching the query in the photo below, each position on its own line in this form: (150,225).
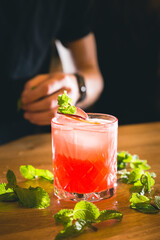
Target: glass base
(91,197)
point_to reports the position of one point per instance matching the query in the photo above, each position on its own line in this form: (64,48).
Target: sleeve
(76,20)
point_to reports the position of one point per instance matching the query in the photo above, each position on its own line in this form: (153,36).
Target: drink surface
(84,154)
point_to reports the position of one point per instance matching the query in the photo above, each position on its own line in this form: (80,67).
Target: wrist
(81,87)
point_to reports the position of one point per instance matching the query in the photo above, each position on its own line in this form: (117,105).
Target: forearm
(94,86)
(80,57)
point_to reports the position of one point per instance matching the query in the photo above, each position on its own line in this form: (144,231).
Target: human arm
(40,94)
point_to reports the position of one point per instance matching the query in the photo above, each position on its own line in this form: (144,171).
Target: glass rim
(90,127)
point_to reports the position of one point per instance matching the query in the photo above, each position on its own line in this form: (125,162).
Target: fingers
(39,98)
(44,88)
(45,104)
(35,81)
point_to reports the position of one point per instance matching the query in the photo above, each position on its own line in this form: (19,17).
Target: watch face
(82,87)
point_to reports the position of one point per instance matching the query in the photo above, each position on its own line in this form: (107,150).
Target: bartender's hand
(39,97)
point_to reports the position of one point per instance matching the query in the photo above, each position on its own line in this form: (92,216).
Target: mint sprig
(125,159)
(143,182)
(31,197)
(65,104)
(84,214)
(7,195)
(29,172)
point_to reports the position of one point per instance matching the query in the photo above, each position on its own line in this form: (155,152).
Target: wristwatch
(81,86)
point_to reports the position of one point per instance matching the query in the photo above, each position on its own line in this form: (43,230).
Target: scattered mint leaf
(46,174)
(125,177)
(64,216)
(32,197)
(137,198)
(137,189)
(135,175)
(3,188)
(29,172)
(109,214)
(11,178)
(144,207)
(122,159)
(137,163)
(65,104)
(7,195)
(86,211)
(72,231)
(147,181)
(157,201)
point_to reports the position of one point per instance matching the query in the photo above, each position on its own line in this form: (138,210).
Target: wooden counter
(18,223)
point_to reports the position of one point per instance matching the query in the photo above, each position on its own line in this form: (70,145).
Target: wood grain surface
(18,223)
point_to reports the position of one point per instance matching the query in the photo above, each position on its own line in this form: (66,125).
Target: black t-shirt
(27,29)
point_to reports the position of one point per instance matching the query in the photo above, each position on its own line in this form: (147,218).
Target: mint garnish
(31,197)
(109,214)
(86,211)
(7,195)
(29,172)
(157,201)
(124,159)
(144,207)
(65,104)
(72,231)
(64,217)
(137,198)
(85,214)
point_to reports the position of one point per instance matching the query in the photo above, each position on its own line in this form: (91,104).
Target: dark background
(127,36)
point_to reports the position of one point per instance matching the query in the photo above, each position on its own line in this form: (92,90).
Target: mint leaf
(137,163)
(46,174)
(65,104)
(122,159)
(147,181)
(109,214)
(29,172)
(135,175)
(64,216)
(144,207)
(32,197)
(72,231)
(157,201)
(11,178)
(132,177)
(137,198)
(7,195)
(137,189)
(125,177)
(3,188)
(86,211)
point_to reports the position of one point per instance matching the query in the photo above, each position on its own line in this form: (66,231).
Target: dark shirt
(27,29)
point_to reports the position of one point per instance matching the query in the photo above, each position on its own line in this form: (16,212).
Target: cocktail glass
(84,156)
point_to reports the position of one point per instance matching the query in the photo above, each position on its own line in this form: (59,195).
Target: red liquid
(84,161)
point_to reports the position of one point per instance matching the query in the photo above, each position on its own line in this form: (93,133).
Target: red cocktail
(84,156)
